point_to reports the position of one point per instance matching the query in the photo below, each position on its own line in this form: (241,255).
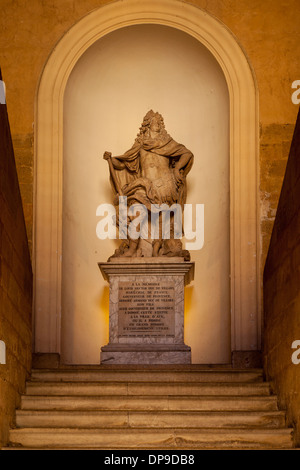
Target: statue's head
(153,121)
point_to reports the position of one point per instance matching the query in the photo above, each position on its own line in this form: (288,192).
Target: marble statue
(151,175)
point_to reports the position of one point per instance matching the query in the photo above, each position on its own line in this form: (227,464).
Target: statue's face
(155,125)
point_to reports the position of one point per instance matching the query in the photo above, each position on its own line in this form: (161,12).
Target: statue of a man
(152,173)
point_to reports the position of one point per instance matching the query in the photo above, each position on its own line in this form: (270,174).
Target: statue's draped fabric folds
(151,175)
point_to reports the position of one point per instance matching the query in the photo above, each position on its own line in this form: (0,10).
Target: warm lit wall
(282,292)
(266,30)
(111,88)
(15,285)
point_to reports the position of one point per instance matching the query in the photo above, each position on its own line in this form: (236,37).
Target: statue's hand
(178,176)
(107,155)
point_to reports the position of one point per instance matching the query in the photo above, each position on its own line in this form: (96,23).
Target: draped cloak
(139,189)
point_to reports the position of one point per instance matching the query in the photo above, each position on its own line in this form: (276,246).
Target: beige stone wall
(15,285)
(275,142)
(281,293)
(266,30)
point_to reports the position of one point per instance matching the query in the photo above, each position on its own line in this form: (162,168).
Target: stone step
(149,388)
(147,407)
(158,438)
(146,374)
(161,419)
(154,402)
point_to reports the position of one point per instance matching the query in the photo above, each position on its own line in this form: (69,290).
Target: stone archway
(245,288)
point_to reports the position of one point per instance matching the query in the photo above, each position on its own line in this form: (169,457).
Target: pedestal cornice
(160,266)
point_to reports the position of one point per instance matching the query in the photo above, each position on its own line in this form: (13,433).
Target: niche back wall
(109,91)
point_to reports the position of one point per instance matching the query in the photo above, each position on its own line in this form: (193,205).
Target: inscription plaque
(146,309)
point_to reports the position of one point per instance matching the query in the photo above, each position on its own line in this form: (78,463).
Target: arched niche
(49,146)
(111,87)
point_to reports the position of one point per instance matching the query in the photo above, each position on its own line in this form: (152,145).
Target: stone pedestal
(146,310)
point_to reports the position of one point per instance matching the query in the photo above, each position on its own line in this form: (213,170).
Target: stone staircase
(174,407)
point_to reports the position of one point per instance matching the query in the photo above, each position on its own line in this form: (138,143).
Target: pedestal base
(146,311)
(145,354)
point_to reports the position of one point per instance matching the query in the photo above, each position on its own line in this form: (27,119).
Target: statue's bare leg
(156,247)
(145,248)
(131,250)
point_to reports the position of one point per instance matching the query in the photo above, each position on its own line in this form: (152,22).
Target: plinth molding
(150,266)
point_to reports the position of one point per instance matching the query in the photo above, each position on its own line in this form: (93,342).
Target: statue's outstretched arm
(117,164)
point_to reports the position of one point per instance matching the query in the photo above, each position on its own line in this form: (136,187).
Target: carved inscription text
(146,309)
